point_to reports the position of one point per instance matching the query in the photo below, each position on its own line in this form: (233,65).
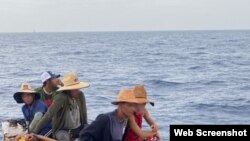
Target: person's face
(27,98)
(128,109)
(75,93)
(54,82)
(140,108)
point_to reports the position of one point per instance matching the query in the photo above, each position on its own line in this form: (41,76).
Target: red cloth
(48,102)
(131,136)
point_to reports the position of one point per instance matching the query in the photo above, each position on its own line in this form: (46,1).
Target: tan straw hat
(125,95)
(141,94)
(71,82)
(25,88)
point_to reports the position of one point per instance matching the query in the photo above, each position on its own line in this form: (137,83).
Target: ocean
(194,77)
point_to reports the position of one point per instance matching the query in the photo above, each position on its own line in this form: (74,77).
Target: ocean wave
(245,87)
(195,68)
(163,83)
(198,53)
(228,108)
(220,63)
(77,53)
(213,82)
(233,40)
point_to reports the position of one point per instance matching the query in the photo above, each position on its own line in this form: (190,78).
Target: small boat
(13,127)
(16,127)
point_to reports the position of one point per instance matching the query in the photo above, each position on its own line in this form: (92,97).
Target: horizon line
(100,31)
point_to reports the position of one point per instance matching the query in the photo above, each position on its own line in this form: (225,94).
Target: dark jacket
(98,130)
(57,112)
(106,127)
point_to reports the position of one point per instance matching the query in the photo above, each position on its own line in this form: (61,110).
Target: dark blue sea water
(194,77)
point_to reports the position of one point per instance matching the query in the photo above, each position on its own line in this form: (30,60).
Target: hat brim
(18,96)
(125,101)
(143,100)
(56,76)
(51,77)
(74,87)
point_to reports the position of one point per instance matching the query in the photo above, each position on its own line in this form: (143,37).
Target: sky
(122,15)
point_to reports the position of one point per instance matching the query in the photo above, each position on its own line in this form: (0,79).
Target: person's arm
(84,110)
(150,121)
(157,136)
(53,109)
(41,109)
(148,118)
(25,117)
(137,130)
(37,117)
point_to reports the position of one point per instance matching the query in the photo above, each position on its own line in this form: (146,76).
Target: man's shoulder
(106,117)
(82,94)
(102,118)
(60,97)
(41,104)
(55,91)
(39,90)
(111,114)
(24,107)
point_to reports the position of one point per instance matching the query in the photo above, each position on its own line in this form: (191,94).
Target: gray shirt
(106,127)
(117,126)
(73,119)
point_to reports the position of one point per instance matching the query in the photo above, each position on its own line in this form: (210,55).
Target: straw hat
(141,94)
(71,82)
(25,88)
(125,95)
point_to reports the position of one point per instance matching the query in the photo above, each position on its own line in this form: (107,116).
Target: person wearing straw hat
(32,106)
(68,110)
(48,91)
(133,131)
(111,126)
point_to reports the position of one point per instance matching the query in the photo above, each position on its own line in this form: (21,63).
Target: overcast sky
(122,15)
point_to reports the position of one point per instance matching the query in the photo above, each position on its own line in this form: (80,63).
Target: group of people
(58,110)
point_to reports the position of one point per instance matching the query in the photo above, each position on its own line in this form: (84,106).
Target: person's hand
(30,137)
(157,137)
(59,82)
(154,128)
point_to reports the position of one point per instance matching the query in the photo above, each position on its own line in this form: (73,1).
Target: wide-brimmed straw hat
(71,82)
(127,96)
(25,88)
(141,94)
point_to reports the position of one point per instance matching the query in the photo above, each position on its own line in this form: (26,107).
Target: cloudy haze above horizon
(122,15)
